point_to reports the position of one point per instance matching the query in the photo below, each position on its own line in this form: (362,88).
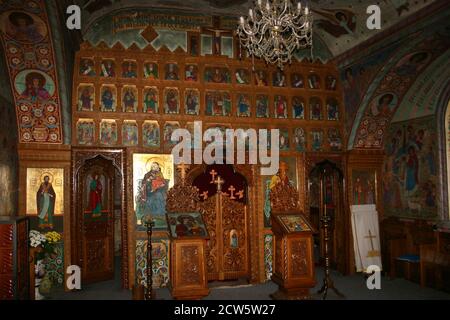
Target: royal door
(224,210)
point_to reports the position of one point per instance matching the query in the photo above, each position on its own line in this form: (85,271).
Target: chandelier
(274,31)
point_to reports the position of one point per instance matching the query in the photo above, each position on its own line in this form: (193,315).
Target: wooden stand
(294,262)
(188,269)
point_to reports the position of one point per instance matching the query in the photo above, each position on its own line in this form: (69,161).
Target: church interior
(94,92)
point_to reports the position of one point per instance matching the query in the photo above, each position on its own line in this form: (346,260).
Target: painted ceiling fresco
(29,53)
(392,86)
(341,24)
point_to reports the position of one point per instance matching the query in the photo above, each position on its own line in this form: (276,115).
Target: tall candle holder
(328,283)
(149,224)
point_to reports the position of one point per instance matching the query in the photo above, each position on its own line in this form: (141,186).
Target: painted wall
(9,163)
(411,171)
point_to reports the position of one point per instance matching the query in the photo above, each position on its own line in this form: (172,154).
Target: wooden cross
(231,189)
(240,194)
(183,168)
(213,173)
(372,252)
(219,183)
(204,195)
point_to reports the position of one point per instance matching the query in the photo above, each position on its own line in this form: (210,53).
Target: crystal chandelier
(274,31)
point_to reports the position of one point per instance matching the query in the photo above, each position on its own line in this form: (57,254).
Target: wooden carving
(190,273)
(233,225)
(182,198)
(284,198)
(299,264)
(209,216)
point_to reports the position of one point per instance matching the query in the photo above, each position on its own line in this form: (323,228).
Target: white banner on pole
(366,236)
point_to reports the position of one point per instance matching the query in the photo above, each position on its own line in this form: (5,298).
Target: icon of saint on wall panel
(315,108)
(87,67)
(108,68)
(191,72)
(45,194)
(298,108)
(334,139)
(262,106)
(332,109)
(23,27)
(221,129)
(300,139)
(217,75)
(153,175)
(150,70)
(85,131)
(297,80)
(314,81)
(129,69)
(108,132)
(243,108)
(330,82)
(171,72)
(151,100)
(218,103)
(171,101)
(284,140)
(150,134)
(169,128)
(108,97)
(129,99)
(279,79)
(316,140)
(192,101)
(280,107)
(261,78)
(242,76)
(130,133)
(86,97)
(96,197)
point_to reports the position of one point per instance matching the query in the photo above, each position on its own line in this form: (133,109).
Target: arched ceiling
(404,84)
(341,24)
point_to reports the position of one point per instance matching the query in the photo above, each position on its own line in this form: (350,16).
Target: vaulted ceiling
(341,24)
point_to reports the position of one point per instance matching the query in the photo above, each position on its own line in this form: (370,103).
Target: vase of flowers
(43,244)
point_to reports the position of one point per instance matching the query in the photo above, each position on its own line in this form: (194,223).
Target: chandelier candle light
(274,31)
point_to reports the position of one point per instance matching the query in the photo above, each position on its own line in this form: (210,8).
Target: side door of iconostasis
(328,194)
(224,209)
(95,220)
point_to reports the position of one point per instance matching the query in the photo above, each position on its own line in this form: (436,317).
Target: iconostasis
(135,98)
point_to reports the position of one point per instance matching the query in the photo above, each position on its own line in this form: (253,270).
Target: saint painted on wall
(35,87)
(152,194)
(45,200)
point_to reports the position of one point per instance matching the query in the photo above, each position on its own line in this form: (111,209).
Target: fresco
(108,96)
(85,131)
(151,100)
(108,132)
(86,97)
(150,134)
(31,65)
(160,262)
(130,133)
(192,101)
(364,187)
(298,108)
(218,103)
(171,101)
(243,108)
(410,174)
(129,99)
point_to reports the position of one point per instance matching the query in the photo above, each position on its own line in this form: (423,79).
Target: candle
(241,20)
(306,10)
(299,6)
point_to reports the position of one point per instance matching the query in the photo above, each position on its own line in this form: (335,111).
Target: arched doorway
(98,236)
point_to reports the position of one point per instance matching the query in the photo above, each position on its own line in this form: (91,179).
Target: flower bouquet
(43,244)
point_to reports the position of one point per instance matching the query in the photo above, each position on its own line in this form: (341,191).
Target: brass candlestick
(149,224)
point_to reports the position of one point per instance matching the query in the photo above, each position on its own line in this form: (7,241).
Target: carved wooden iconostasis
(134,98)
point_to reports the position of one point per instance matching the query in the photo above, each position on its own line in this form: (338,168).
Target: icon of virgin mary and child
(151,197)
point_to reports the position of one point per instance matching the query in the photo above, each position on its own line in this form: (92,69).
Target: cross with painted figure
(183,169)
